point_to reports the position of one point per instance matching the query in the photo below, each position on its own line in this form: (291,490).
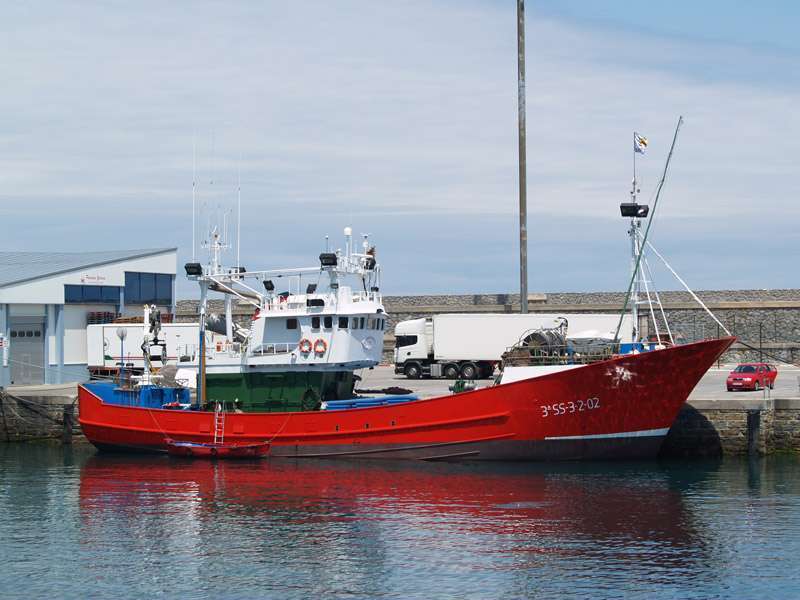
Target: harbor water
(77,524)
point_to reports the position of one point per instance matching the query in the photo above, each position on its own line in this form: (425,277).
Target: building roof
(17,267)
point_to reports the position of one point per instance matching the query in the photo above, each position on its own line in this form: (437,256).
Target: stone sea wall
(710,428)
(28,416)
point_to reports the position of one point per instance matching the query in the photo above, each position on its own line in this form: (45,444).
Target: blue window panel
(110,294)
(163,288)
(92,293)
(73,293)
(132,294)
(147,287)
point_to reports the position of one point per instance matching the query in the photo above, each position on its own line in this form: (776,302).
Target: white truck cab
(412,341)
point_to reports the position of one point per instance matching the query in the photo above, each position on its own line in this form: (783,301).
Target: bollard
(753,431)
(68,416)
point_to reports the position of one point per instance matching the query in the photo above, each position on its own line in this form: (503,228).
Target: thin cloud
(374,112)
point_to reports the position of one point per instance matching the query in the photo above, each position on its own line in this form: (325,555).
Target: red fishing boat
(617,408)
(276,387)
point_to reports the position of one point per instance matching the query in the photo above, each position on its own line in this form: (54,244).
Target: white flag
(639,143)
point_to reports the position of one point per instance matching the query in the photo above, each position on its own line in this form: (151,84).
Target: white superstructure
(329,317)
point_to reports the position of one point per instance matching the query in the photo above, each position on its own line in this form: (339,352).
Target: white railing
(189,352)
(276,304)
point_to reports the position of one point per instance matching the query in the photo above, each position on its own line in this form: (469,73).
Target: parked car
(752,376)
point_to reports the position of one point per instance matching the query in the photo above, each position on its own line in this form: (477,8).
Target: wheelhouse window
(314,322)
(291,323)
(405,340)
(342,322)
(328,322)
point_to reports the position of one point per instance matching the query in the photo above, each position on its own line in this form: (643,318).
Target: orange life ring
(320,346)
(304,346)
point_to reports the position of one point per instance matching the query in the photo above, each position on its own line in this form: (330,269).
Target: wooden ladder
(219,424)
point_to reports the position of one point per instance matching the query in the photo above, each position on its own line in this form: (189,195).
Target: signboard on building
(93,279)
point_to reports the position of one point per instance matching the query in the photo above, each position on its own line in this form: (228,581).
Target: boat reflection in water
(372,523)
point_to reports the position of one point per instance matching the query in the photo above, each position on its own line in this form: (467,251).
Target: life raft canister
(320,346)
(304,346)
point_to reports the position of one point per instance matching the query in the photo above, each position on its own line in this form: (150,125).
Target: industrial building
(48,298)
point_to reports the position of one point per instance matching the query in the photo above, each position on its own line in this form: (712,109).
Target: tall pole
(523,201)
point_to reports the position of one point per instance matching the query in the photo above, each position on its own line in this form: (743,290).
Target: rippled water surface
(78,524)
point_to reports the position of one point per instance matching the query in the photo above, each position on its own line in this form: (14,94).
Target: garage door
(27,353)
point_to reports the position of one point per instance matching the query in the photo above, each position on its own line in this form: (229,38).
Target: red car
(752,376)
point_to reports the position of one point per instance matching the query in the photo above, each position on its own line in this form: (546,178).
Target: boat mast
(239,221)
(194,180)
(201,375)
(633,232)
(636,212)
(523,200)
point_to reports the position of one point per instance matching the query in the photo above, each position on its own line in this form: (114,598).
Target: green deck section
(278,392)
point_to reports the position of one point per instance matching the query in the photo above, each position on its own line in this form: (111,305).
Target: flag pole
(633,148)
(523,201)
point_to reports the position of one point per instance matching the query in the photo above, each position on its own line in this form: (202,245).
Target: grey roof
(17,267)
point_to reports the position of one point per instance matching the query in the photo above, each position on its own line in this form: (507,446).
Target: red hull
(620,408)
(195,450)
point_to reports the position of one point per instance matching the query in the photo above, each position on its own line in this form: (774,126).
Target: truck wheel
(413,371)
(450,371)
(469,371)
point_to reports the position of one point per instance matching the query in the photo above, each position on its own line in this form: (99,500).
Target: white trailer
(470,345)
(105,352)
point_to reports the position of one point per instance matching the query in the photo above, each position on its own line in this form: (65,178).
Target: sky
(400,120)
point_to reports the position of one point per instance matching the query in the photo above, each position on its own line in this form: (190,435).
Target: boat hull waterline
(618,408)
